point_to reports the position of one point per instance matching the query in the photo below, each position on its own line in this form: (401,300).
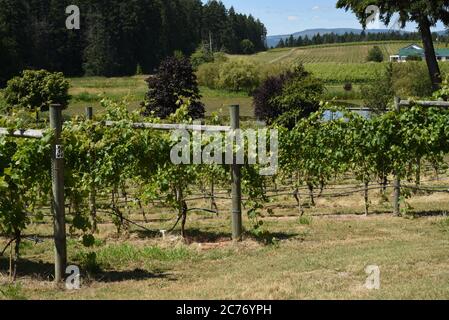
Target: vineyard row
(105,159)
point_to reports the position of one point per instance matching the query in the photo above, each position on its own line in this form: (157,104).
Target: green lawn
(89,91)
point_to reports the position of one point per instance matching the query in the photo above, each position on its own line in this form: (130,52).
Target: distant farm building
(415,52)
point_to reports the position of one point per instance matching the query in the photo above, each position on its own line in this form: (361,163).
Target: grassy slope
(334,63)
(335,53)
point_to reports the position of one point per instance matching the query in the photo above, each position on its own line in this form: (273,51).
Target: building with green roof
(415,52)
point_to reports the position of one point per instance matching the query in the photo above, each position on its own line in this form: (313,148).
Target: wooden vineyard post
(237,228)
(58,209)
(397,180)
(89,113)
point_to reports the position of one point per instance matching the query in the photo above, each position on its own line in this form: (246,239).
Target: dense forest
(331,38)
(116,37)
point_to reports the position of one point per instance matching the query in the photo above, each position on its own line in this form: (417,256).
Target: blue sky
(289,16)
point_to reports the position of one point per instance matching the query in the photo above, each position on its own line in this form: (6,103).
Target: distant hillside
(272,41)
(335,64)
(346,53)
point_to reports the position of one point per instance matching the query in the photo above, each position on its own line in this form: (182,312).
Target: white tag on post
(59,152)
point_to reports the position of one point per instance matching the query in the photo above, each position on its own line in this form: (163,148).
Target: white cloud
(292,18)
(316,8)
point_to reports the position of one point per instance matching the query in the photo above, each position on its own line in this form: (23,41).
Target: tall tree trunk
(431,59)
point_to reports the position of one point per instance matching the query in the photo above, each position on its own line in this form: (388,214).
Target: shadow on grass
(126,275)
(430,213)
(377,212)
(44,271)
(147,234)
(271,238)
(265,237)
(201,236)
(28,268)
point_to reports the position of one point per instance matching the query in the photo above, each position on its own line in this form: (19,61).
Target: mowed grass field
(89,91)
(320,256)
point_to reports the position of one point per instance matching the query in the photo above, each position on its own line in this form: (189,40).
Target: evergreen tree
(291,41)
(101,54)
(14,40)
(233,31)
(281,44)
(214,23)
(117,36)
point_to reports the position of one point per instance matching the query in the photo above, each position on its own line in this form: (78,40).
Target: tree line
(116,38)
(347,37)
